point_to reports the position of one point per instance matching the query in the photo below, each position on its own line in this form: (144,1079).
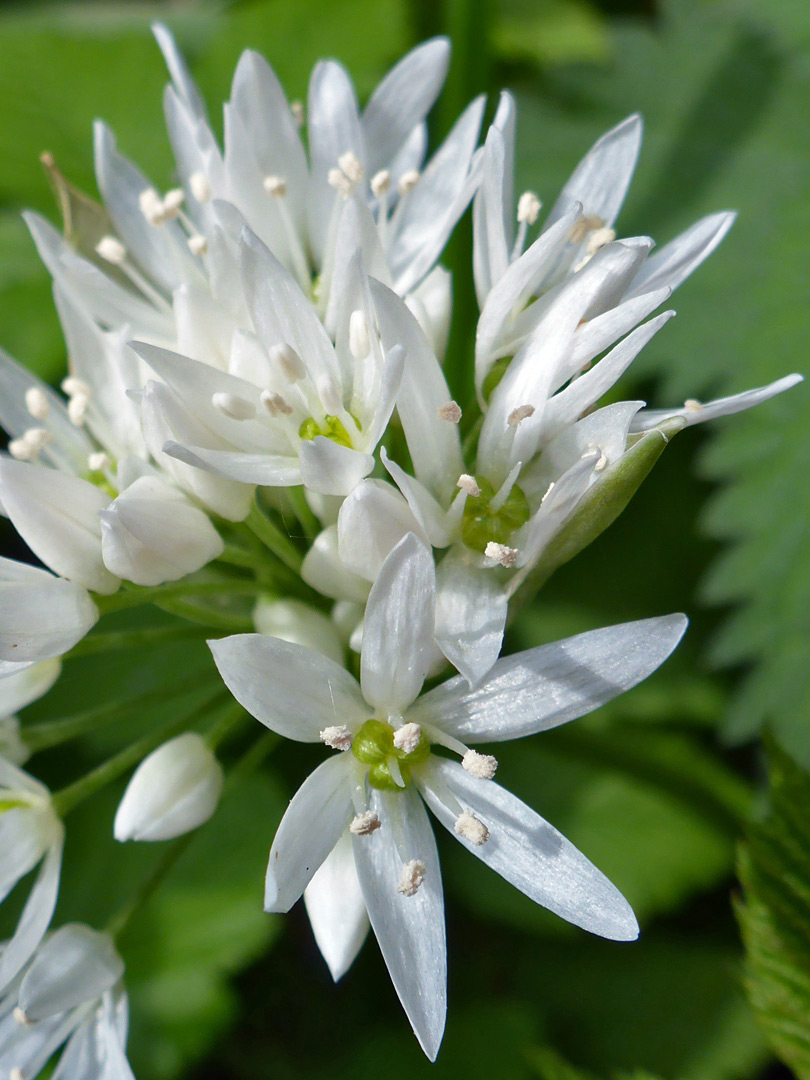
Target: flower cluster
(263,344)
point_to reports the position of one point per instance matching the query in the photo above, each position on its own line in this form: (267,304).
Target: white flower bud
(174,790)
(300,624)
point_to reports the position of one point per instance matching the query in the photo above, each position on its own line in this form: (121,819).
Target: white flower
(386,774)
(30,834)
(71,993)
(41,616)
(175,789)
(20,684)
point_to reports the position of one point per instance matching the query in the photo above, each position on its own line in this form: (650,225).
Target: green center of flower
(387,763)
(332,428)
(482,525)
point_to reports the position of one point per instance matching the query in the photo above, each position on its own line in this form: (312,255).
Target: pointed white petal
(323,569)
(75,965)
(28,684)
(697,412)
(371,522)
(471,606)
(178,71)
(429,519)
(41,616)
(36,914)
(292,690)
(336,910)
(331,469)
(675,261)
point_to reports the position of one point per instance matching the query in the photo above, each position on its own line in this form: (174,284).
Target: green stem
(69,797)
(309,522)
(139,595)
(230,719)
(131,639)
(207,617)
(273,538)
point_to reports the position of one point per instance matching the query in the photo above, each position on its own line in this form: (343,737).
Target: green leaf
(557,31)
(775,915)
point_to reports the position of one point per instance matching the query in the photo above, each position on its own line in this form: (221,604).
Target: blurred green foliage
(721,529)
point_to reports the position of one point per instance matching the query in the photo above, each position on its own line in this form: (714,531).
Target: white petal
(491,240)
(323,569)
(22,844)
(336,910)
(331,469)
(292,620)
(41,616)
(527,851)
(269,470)
(432,304)
(371,522)
(398,632)
(409,929)
(290,689)
(542,688)
(698,412)
(471,606)
(75,965)
(429,519)
(29,684)
(675,261)
(597,334)
(315,819)
(36,914)
(178,71)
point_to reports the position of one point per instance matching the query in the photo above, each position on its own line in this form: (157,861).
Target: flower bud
(293,621)
(173,790)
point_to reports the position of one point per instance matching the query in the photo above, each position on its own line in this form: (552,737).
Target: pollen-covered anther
(598,239)
(99,461)
(37,438)
(233,406)
(172,201)
(329,394)
(693,405)
(408,181)
(471,828)
(528,208)
(351,166)
(73,386)
(197,244)
(359,340)
(413,874)
(365,824)
(468,485)
(337,737)
(291,364)
(16,1073)
(450,411)
(36,403)
(381,182)
(584,225)
(299,113)
(601,464)
(20,450)
(275,186)
(200,188)
(501,553)
(338,179)
(275,404)
(22,1017)
(522,412)
(77,409)
(481,766)
(111,250)
(407,738)
(151,206)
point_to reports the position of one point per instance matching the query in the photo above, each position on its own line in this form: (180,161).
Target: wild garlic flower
(70,994)
(31,834)
(390,760)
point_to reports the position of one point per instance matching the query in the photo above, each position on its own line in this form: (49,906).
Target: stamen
(481,766)
(522,412)
(584,225)
(172,201)
(693,405)
(20,450)
(601,464)
(337,737)
(413,874)
(506,556)
(338,179)
(329,395)
(233,406)
(471,828)
(299,113)
(111,250)
(200,188)
(408,737)
(350,164)
(197,244)
(528,208)
(289,361)
(99,462)
(151,206)
(22,1017)
(36,403)
(365,824)
(451,411)
(77,409)
(16,1074)
(598,239)
(381,182)
(72,386)
(408,181)
(359,342)
(275,186)
(467,484)
(275,404)
(37,437)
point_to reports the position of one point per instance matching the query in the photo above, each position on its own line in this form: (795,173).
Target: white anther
(77,409)
(19,449)
(37,437)
(598,239)
(111,250)
(506,556)
(407,738)
(693,405)
(233,406)
(408,181)
(528,207)
(469,827)
(522,412)
(37,403)
(151,206)
(467,483)
(481,766)
(299,113)
(22,1017)
(381,182)
(172,201)
(365,824)
(329,395)
(359,341)
(338,179)
(351,166)
(200,188)
(584,225)
(601,464)
(450,411)
(275,186)
(197,244)
(413,874)
(275,404)
(16,1074)
(72,386)
(291,364)
(337,738)
(99,462)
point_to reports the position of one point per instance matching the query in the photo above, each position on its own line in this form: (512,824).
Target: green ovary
(481,526)
(332,428)
(374,745)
